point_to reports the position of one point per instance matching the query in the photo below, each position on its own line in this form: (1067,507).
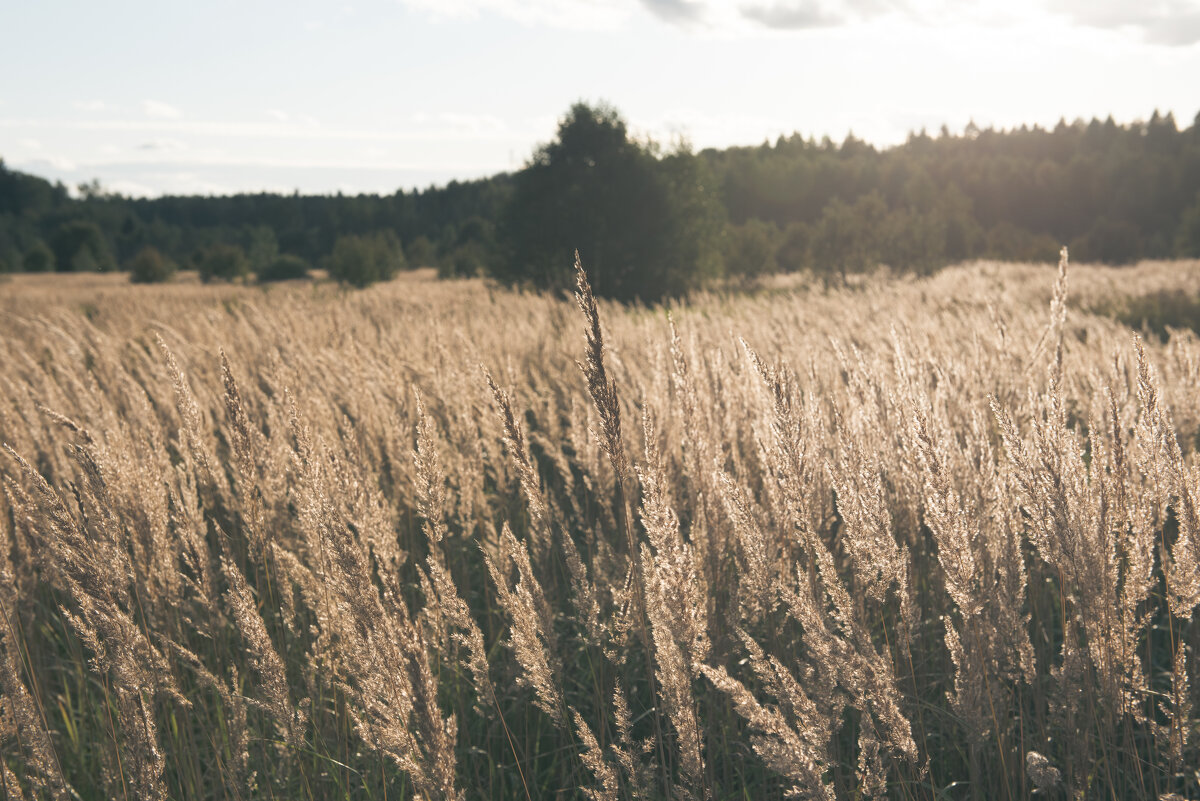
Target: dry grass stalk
(809,528)
(431,501)
(531,635)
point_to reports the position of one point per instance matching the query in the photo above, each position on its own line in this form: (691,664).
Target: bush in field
(223,262)
(362,260)
(1156,313)
(792,254)
(750,250)
(284,268)
(465,261)
(38,259)
(149,266)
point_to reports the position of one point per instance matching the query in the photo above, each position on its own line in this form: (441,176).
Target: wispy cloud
(426,127)
(163,146)
(1169,22)
(804,14)
(131,188)
(160,111)
(471,125)
(222,177)
(56,163)
(566,14)
(798,15)
(685,12)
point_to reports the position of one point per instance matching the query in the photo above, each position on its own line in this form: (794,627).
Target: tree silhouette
(646,228)
(80,246)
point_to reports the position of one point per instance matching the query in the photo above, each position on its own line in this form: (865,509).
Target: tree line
(653,221)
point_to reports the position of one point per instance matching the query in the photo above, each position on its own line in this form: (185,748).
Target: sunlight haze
(370,97)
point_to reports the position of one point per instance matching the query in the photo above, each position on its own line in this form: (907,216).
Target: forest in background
(1114,193)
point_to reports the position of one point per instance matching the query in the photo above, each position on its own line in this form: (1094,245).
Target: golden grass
(926,538)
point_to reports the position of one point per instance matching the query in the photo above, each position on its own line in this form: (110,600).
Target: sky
(217,97)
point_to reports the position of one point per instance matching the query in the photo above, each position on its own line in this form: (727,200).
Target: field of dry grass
(923,539)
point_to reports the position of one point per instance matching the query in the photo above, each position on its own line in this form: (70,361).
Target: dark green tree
(223,262)
(421,252)
(1187,236)
(793,252)
(645,228)
(79,246)
(38,259)
(262,248)
(149,266)
(362,260)
(750,250)
(285,267)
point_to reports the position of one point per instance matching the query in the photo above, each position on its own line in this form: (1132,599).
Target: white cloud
(807,14)
(160,111)
(190,183)
(705,129)
(131,188)
(277,115)
(30,144)
(435,127)
(90,105)
(679,12)
(568,14)
(1170,22)
(163,146)
(57,163)
(469,125)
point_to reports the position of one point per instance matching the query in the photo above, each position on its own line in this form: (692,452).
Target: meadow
(925,538)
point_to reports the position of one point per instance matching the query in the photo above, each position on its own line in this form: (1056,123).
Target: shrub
(284,268)
(38,259)
(362,260)
(466,261)
(793,253)
(1157,312)
(149,266)
(223,262)
(750,250)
